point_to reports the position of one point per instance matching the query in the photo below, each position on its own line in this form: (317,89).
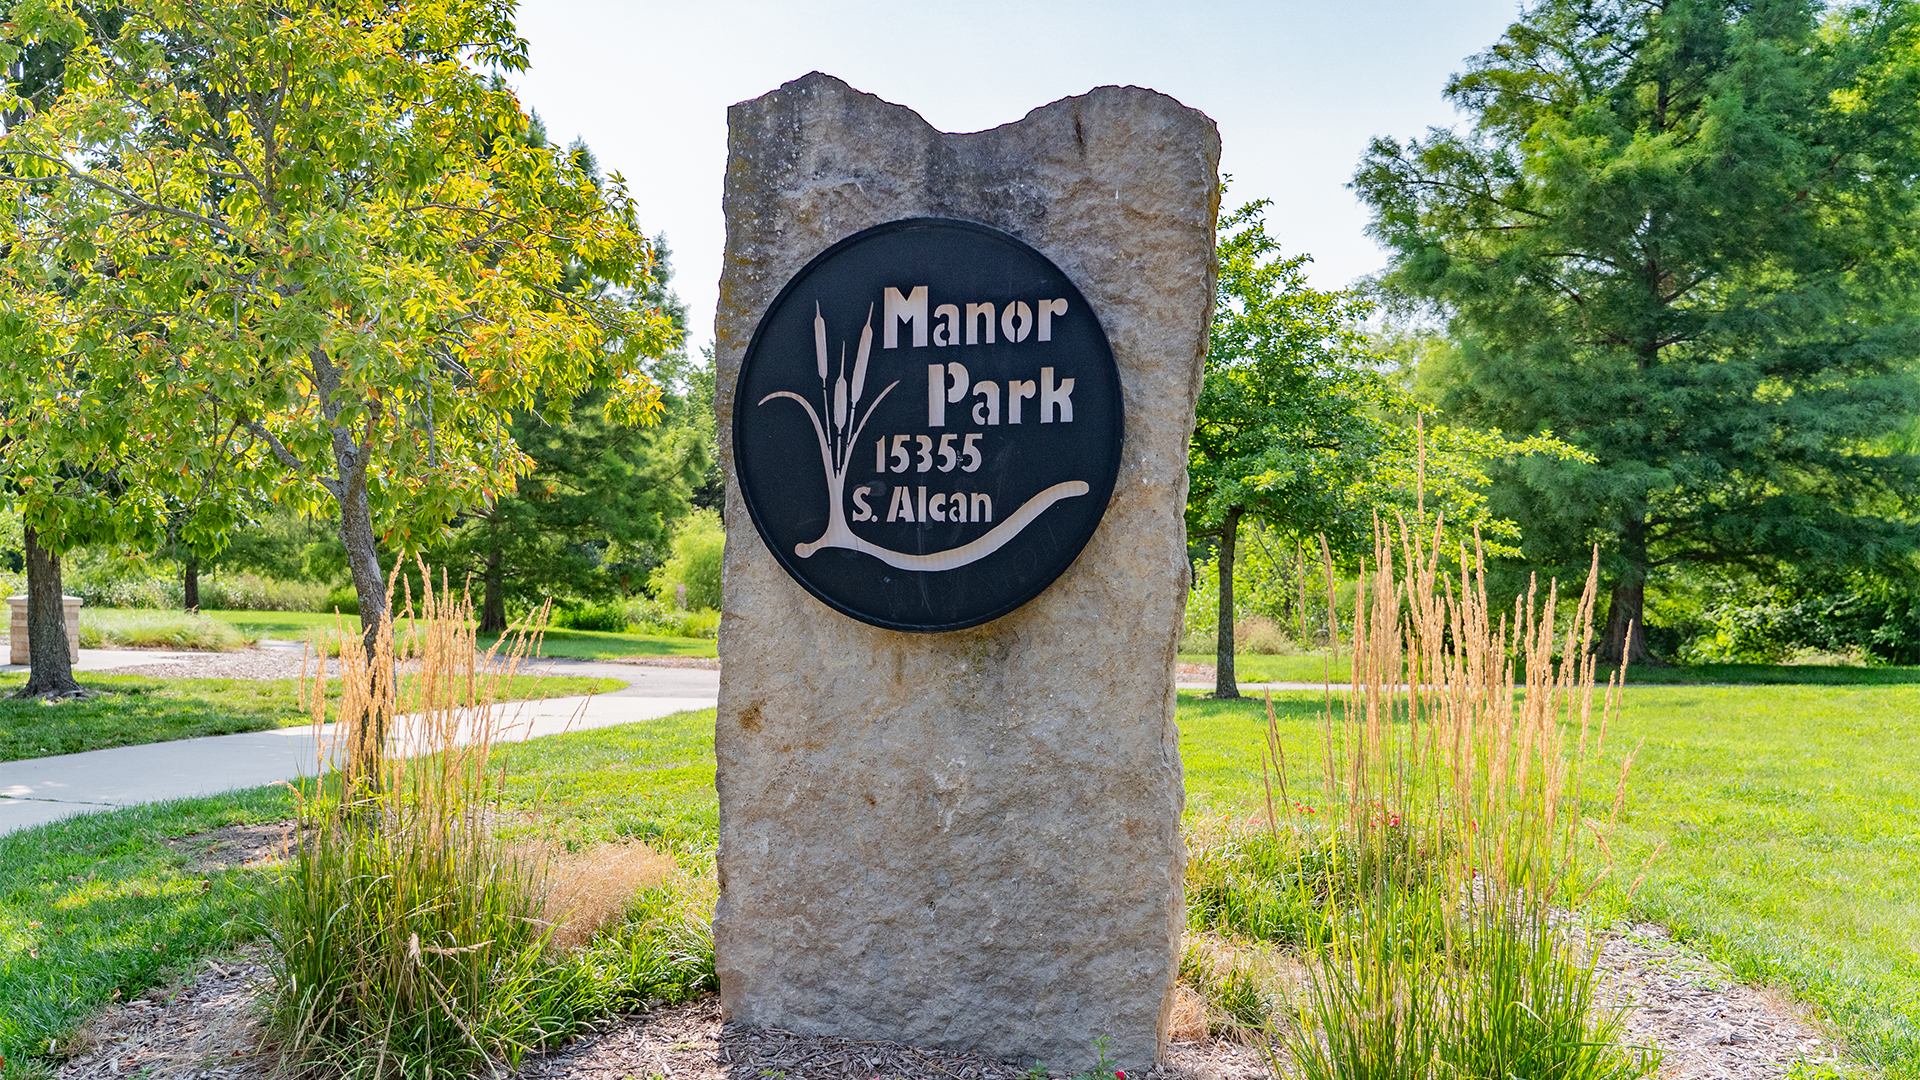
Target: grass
(1773,675)
(99,907)
(651,782)
(1298,667)
(601,645)
(130,710)
(1311,668)
(1791,824)
(120,911)
(1791,820)
(556,644)
(1789,815)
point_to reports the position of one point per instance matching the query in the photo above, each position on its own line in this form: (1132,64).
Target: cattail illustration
(860,361)
(820,342)
(836,454)
(840,393)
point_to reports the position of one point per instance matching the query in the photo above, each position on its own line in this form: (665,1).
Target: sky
(1298,90)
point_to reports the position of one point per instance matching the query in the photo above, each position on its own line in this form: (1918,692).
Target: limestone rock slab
(969,840)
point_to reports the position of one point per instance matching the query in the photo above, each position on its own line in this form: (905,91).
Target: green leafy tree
(318,230)
(1299,425)
(1679,234)
(592,517)
(699,545)
(59,500)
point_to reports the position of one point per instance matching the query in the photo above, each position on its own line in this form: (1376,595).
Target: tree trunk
(370,586)
(1225,683)
(363,550)
(1625,639)
(51,673)
(493,602)
(190,582)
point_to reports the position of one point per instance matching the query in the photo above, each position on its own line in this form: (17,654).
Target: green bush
(118,583)
(106,628)
(107,590)
(698,543)
(343,599)
(607,618)
(646,616)
(251,592)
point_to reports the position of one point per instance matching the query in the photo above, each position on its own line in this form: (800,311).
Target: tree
(1298,424)
(59,503)
(1678,233)
(318,228)
(599,495)
(592,517)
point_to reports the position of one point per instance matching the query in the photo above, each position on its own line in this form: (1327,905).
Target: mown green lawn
(1312,668)
(100,907)
(133,709)
(569,644)
(1790,817)
(1787,819)
(1258,667)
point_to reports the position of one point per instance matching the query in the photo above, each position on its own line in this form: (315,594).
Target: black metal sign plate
(927,425)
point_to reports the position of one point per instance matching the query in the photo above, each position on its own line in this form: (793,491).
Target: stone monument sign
(956,379)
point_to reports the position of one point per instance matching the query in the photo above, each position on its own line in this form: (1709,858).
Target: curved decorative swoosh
(952,558)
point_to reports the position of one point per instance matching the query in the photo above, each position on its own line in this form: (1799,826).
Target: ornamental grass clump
(1447,887)
(408,939)
(411,939)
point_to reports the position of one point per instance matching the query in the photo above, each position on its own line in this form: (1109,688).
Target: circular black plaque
(927,425)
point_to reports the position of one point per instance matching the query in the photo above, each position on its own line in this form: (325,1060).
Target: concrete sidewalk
(46,789)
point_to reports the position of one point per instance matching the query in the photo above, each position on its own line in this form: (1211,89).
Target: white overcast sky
(1297,89)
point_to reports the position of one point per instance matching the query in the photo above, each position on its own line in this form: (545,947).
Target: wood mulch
(690,1043)
(205,1027)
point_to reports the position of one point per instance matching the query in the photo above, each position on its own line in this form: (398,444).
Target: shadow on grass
(99,906)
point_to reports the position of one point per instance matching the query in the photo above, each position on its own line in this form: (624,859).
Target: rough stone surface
(969,840)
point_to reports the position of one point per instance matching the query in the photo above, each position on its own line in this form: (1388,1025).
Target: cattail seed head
(820,341)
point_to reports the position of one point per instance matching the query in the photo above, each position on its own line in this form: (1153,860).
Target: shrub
(609,618)
(646,616)
(1199,641)
(136,629)
(342,599)
(698,543)
(1253,634)
(123,590)
(1259,634)
(251,592)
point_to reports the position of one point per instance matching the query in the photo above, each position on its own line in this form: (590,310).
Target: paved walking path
(46,789)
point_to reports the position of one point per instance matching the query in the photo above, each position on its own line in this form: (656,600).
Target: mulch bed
(1707,1027)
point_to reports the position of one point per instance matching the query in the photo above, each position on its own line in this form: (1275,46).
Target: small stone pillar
(967,839)
(17,628)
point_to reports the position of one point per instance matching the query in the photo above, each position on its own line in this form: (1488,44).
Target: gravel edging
(1706,1025)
